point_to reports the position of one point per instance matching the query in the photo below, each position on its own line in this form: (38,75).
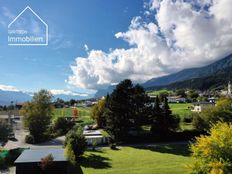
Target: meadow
(84,114)
(158,159)
(183,110)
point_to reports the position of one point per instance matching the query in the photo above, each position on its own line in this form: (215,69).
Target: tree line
(129,108)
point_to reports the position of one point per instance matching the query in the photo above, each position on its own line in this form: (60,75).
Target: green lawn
(160,159)
(182,109)
(67,112)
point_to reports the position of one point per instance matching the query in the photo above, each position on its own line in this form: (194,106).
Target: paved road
(19,141)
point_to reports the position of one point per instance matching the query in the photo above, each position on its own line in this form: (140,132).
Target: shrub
(213,153)
(46,162)
(165,124)
(198,122)
(188,119)
(75,145)
(62,125)
(221,112)
(5,131)
(29,139)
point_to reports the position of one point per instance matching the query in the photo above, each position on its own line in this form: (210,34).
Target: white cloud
(8,88)
(86,47)
(66,92)
(183,35)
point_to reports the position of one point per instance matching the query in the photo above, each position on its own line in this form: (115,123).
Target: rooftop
(29,156)
(92,132)
(203,103)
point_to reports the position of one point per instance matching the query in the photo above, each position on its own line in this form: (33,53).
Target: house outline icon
(46,26)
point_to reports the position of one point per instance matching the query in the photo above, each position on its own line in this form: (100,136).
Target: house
(201,106)
(95,136)
(211,99)
(30,161)
(176,99)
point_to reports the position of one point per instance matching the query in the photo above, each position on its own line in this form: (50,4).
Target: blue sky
(72,24)
(96,43)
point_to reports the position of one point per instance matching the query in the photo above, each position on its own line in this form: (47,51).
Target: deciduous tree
(37,114)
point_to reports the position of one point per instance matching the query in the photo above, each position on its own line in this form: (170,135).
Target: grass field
(84,114)
(160,159)
(182,109)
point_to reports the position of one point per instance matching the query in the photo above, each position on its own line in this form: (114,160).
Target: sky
(96,43)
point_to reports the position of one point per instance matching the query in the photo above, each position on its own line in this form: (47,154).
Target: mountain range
(216,68)
(212,76)
(18,96)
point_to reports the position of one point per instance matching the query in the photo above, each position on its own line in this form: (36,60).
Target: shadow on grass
(96,150)
(175,149)
(95,161)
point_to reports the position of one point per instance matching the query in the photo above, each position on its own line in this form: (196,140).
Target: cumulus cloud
(183,34)
(8,88)
(66,92)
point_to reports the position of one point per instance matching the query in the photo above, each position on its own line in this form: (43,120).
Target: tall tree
(75,144)
(126,108)
(97,113)
(140,104)
(157,107)
(37,114)
(164,121)
(120,109)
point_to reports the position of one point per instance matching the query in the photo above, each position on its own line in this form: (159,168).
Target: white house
(176,99)
(95,136)
(201,106)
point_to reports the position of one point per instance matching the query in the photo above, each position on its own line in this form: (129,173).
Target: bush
(46,163)
(62,125)
(5,131)
(198,122)
(29,139)
(75,144)
(213,153)
(221,112)
(188,119)
(165,124)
